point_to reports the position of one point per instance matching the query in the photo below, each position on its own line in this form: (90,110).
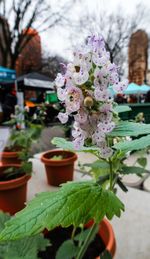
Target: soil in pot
(59,235)
(13,189)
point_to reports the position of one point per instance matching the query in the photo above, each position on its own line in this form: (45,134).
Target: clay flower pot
(105,232)
(107,235)
(13,192)
(59,171)
(10,157)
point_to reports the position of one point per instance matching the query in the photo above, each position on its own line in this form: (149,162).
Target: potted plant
(23,132)
(84,89)
(16,167)
(13,187)
(59,165)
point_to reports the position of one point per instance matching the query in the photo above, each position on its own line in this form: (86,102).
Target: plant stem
(73,233)
(111,175)
(87,241)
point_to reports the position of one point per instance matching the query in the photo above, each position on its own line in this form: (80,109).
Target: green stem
(73,233)
(111,175)
(87,241)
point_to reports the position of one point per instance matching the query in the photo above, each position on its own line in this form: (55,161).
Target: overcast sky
(56,41)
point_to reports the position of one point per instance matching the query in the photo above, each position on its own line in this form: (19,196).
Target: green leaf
(122,108)
(121,185)
(98,168)
(68,145)
(74,203)
(105,255)
(3,218)
(136,144)
(62,143)
(132,170)
(67,250)
(98,164)
(142,161)
(26,248)
(126,128)
(26,167)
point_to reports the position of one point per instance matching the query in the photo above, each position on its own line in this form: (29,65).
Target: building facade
(138,57)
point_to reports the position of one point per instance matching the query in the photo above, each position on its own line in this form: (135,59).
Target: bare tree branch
(25,14)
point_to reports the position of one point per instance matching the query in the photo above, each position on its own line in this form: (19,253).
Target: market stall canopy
(145,88)
(132,89)
(34,81)
(136,89)
(7,75)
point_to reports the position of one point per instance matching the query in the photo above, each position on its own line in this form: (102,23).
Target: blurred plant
(25,130)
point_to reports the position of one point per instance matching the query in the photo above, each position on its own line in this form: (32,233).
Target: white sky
(56,42)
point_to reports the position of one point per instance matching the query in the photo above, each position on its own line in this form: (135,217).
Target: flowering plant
(84,89)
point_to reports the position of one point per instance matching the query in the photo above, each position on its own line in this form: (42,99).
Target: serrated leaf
(142,161)
(67,250)
(122,108)
(136,144)
(68,145)
(126,128)
(26,248)
(74,203)
(132,170)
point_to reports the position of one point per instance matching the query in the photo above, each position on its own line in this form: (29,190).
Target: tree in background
(116,28)
(18,16)
(52,65)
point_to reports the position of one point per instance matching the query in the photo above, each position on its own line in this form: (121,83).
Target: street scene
(74,129)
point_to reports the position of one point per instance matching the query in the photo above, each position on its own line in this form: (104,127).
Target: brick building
(138,57)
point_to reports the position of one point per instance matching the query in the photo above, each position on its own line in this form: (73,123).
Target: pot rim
(61,162)
(14,183)
(9,154)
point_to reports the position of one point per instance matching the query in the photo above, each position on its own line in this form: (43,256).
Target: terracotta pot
(10,157)
(13,192)
(59,171)
(105,232)
(107,235)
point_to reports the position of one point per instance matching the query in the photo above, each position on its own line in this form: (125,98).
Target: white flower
(120,86)
(61,94)
(101,95)
(60,80)
(106,152)
(106,126)
(81,77)
(73,100)
(81,116)
(63,117)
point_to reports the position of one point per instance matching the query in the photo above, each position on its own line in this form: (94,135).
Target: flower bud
(88,101)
